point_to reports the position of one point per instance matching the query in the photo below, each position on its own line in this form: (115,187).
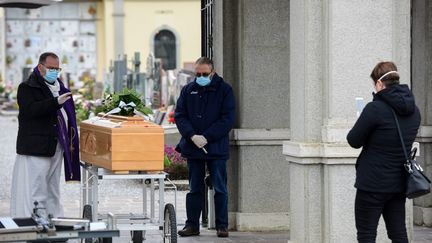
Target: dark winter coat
(41,124)
(207,111)
(380,163)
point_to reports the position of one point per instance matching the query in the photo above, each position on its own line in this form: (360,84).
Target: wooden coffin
(120,143)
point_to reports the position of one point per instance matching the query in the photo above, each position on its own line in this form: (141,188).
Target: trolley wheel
(137,236)
(87,214)
(170,224)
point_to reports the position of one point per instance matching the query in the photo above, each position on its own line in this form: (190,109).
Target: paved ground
(122,196)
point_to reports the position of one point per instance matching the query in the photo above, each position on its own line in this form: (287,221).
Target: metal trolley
(41,227)
(138,224)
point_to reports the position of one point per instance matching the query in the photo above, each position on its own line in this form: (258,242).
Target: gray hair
(45,55)
(205,60)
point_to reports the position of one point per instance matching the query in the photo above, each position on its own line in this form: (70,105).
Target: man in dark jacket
(204,116)
(47,134)
(381,176)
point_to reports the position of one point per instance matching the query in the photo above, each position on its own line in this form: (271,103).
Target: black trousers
(369,206)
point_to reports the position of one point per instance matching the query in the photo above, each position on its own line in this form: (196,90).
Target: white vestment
(37,178)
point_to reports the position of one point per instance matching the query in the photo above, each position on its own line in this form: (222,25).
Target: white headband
(387,73)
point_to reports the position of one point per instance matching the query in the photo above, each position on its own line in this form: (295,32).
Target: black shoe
(188,231)
(222,232)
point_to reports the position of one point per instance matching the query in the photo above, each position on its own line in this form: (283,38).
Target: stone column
(334,46)
(422,88)
(118,15)
(253,53)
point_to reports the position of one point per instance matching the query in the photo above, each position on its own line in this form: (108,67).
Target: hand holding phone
(63,98)
(360,105)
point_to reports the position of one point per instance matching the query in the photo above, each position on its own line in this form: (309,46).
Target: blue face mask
(51,76)
(203,81)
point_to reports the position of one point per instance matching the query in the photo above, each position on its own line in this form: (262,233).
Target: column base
(422,216)
(260,221)
(322,194)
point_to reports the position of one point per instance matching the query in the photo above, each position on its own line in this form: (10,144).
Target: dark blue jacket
(380,163)
(207,111)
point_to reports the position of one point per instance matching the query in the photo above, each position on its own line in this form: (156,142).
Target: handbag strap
(400,135)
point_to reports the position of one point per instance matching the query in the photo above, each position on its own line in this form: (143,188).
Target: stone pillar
(422,88)
(118,15)
(334,46)
(253,53)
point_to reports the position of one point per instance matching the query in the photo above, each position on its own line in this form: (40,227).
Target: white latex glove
(63,98)
(199,140)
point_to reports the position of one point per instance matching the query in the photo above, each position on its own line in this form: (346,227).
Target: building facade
(87,35)
(147,27)
(297,67)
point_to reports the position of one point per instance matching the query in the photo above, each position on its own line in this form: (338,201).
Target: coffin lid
(116,122)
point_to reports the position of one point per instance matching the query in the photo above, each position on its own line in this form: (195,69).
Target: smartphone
(360,105)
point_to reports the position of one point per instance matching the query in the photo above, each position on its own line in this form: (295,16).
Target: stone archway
(165,48)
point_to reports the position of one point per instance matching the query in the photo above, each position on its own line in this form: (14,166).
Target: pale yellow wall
(143,18)
(101,42)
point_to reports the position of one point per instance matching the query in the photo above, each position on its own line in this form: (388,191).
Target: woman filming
(380,175)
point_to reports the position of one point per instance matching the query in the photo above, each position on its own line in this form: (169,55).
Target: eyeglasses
(202,74)
(51,69)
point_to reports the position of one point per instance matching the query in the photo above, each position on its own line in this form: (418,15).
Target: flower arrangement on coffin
(128,102)
(174,164)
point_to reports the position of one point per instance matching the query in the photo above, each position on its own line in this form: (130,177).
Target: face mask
(203,81)
(51,76)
